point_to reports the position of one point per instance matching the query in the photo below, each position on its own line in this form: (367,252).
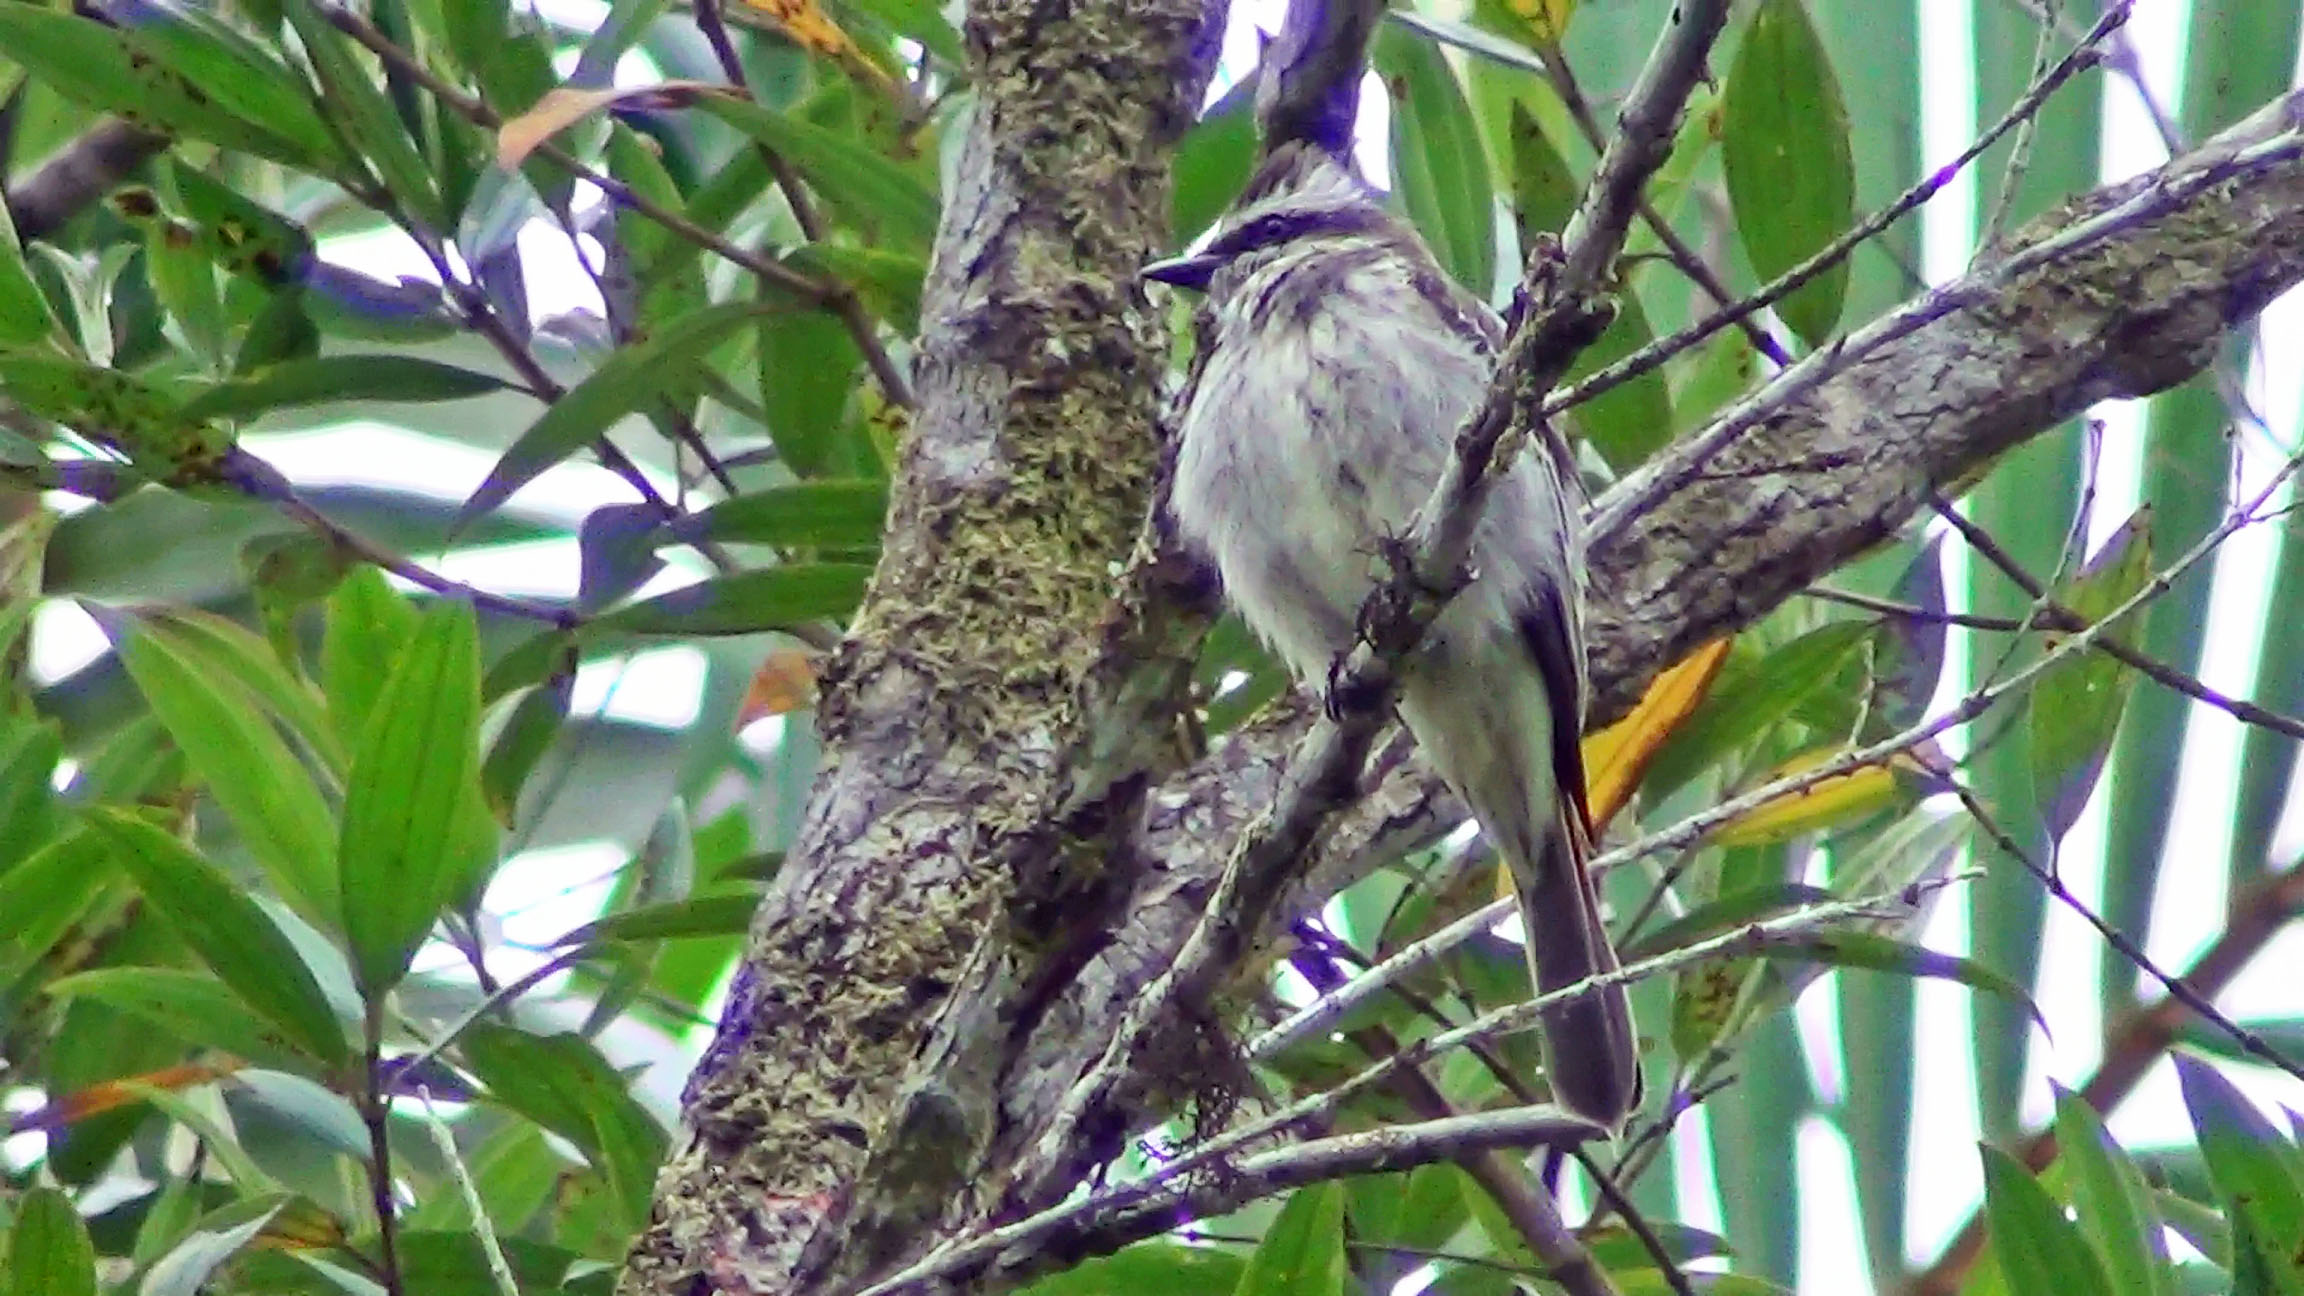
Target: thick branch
(1828,462)
(78,174)
(810,1138)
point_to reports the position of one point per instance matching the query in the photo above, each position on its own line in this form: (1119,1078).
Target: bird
(1338,360)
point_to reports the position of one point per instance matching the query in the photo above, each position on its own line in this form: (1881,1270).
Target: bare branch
(78,174)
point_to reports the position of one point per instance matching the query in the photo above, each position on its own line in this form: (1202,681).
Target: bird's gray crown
(1301,192)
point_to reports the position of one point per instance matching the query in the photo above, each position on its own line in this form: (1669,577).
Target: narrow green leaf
(184,280)
(44,896)
(244,236)
(199,1010)
(167,79)
(1752,695)
(624,382)
(827,514)
(1302,1253)
(48,1249)
(1631,421)
(213,913)
(923,21)
(748,602)
(1784,145)
(1439,167)
(2038,1249)
(221,650)
(2253,1165)
(351,97)
(869,190)
(562,1083)
(29,813)
(1882,954)
(1147,1268)
(24,315)
(2112,1201)
(887,281)
(118,410)
(711,915)
(527,734)
(325,379)
(367,624)
(186,1269)
(808,365)
(415,768)
(2076,705)
(247,768)
(1213,163)
(1743,906)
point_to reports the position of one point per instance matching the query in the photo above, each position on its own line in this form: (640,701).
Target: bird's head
(1301,201)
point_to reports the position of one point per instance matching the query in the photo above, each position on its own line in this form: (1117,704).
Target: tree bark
(828,1133)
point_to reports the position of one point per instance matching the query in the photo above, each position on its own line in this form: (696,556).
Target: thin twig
(1662,349)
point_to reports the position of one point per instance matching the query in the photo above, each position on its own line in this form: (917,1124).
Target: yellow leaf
(1617,757)
(1834,800)
(806,25)
(1547,19)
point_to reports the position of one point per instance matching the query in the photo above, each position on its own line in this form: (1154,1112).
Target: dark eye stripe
(1285,226)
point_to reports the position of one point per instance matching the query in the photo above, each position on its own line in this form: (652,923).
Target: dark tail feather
(1591,1051)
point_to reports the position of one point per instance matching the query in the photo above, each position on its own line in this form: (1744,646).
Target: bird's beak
(1184,271)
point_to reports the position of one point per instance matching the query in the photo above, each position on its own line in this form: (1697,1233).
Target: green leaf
(1632,420)
(24,315)
(1848,949)
(184,280)
(48,1249)
(1784,146)
(829,514)
(711,915)
(808,367)
(1302,1253)
(1736,909)
(167,77)
(29,815)
(527,734)
(887,281)
(416,768)
(1145,1268)
(771,598)
(2253,1165)
(117,410)
(187,1267)
(45,896)
(1213,163)
(562,1083)
(323,379)
(2112,1201)
(367,623)
(1439,168)
(923,21)
(1751,697)
(197,1009)
(624,382)
(247,768)
(213,913)
(350,96)
(2076,704)
(869,190)
(222,650)
(2038,1249)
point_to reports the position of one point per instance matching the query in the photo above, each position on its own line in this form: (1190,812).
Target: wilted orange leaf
(106,1095)
(562,107)
(785,683)
(1617,757)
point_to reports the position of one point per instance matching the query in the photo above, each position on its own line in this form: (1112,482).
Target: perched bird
(1339,361)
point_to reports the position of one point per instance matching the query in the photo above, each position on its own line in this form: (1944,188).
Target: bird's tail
(1590,1048)
(1499,753)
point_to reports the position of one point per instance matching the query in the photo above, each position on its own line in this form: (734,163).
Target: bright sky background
(536,901)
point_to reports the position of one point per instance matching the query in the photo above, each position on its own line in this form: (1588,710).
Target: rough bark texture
(1021,486)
